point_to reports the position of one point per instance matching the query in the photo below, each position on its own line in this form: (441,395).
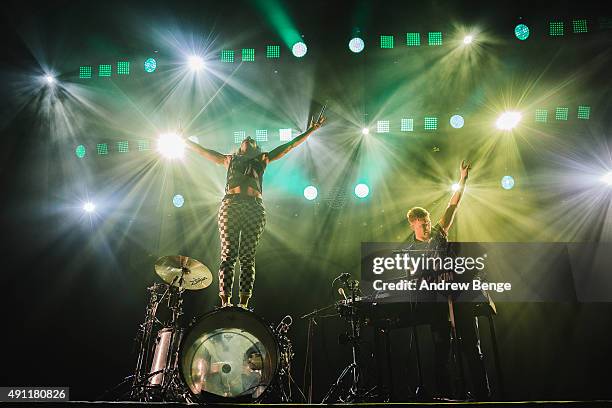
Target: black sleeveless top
(245,172)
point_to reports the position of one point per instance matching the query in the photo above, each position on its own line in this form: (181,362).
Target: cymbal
(195,274)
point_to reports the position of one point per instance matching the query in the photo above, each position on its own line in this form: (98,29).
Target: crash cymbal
(195,275)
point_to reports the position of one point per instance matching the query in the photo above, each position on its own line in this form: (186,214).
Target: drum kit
(226,355)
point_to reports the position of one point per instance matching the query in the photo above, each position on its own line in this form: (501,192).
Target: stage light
(150,65)
(171,146)
(50,79)
(123,146)
(285,135)
(607,178)
(105,70)
(605,23)
(508,120)
(365,131)
(102,149)
(273,51)
(80,151)
(178,201)
(521,32)
(507,182)
(143,145)
(386,41)
(382,126)
(455,187)
(468,39)
(310,193)
(407,125)
(556,28)
(89,207)
(431,123)
(239,136)
(299,49)
(541,115)
(195,62)
(261,135)
(362,190)
(584,112)
(248,54)
(435,38)
(356,45)
(561,113)
(580,26)
(123,68)
(227,55)
(457,121)
(413,39)
(84,72)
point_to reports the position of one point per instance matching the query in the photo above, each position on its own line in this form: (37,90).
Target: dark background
(74,288)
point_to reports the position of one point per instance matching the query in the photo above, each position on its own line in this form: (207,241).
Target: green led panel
(382,126)
(85,72)
(605,23)
(413,39)
(105,70)
(431,123)
(123,68)
(555,28)
(386,41)
(541,115)
(102,148)
(407,125)
(285,135)
(248,54)
(580,26)
(584,112)
(561,113)
(143,145)
(435,38)
(261,135)
(227,56)
(239,136)
(273,51)
(123,146)
(80,151)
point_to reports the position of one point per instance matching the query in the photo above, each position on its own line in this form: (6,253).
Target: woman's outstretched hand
(314,125)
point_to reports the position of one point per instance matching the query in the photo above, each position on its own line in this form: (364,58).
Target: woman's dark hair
(257,148)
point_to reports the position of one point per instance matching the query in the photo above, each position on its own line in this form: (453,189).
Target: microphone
(341,292)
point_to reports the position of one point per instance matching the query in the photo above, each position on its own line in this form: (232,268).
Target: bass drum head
(229,355)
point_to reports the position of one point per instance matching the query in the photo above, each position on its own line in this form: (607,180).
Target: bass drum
(228,355)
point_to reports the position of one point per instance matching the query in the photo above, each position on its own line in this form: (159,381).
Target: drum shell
(165,354)
(237,321)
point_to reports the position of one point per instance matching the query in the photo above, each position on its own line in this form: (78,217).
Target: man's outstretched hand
(464,169)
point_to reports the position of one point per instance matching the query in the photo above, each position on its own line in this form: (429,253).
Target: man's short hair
(416,213)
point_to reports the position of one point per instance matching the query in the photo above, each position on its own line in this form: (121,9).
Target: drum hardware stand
(142,390)
(286,355)
(354,393)
(144,340)
(309,354)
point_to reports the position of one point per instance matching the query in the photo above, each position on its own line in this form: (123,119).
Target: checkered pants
(241,221)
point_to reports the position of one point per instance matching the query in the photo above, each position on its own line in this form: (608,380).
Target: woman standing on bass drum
(242,216)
